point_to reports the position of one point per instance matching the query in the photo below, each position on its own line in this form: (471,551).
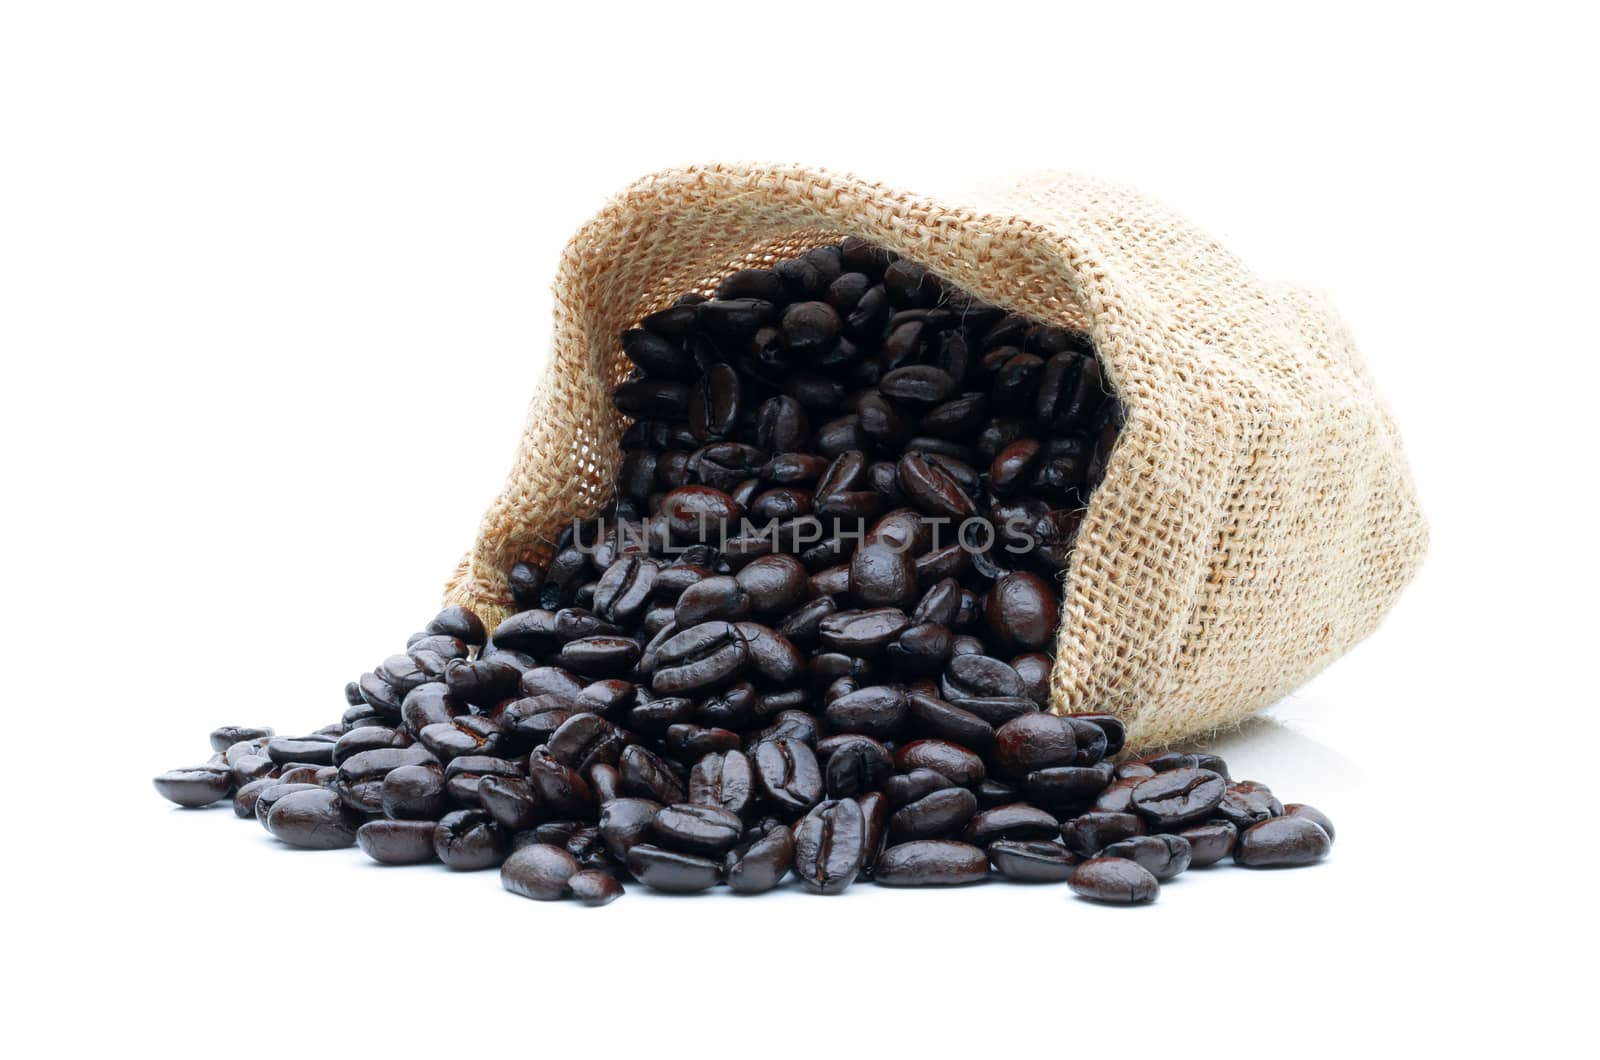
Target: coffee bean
(931,863)
(864,634)
(309,751)
(854,765)
(671,871)
(1209,843)
(699,658)
(725,780)
(1021,613)
(960,765)
(1163,855)
(1016,820)
(539,871)
(1178,797)
(933,717)
(1310,813)
(1089,833)
(763,865)
(830,846)
(1116,881)
(226,736)
(883,576)
(397,842)
(414,792)
(314,819)
(646,775)
(1034,742)
(467,840)
(1031,860)
(594,888)
(942,812)
(513,802)
(697,829)
(880,711)
(197,785)
(1069,785)
(788,774)
(1282,841)
(1246,803)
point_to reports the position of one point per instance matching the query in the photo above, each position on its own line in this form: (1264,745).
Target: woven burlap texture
(1257,516)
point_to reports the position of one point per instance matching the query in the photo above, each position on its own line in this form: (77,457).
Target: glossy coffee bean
(397,842)
(931,863)
(467,840)
(763,864)
(1209,843)
(1034,742)
(1069,785)
(1031,860)
(943,812)
(723,779)
(1282,841)
(830,846)
(1246,803)
(957,763)
(1178,797)
(313,819)
(854,765)
(1163,855)
(670,870)
(226,736)
(1310,813)
(788,774)
(539,871)
(879,710)
(513,802)
(594,888)
(1016,820)
(1116,881)
(1089,833)
(414,792)
(196,786)
(697,829)
(1021,613)
(698,659)
(882,575)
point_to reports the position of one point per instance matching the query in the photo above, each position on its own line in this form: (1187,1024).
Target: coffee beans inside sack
(812,614)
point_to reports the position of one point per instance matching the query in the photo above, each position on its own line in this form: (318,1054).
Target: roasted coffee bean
(931,863)
(883,576)
(1246,803)
(855,765)
(942,812)
(932,490)
(197,785)
(960,765)
(1034,669)
(709,599)
(880,711)
(697,829)
(226,736)
(647,775)
(724,780)
(1034,742)
(1068,785)
(1031,860)
(1089,833)
(367,738)
(594,888)
(830,846)
(457,622)
(670,870)
(467,840)
(1116,881)
(539,871)
(470,734)
(912,784)
(788,774)
(562,790)
(625,823)
(269,795)
(698,659)
(1310,813)
(1282,841)
(933,717)
(360,778)
(314,819)
(462,776)
(584,741)
(1179,797)
(414,792)
(1017,820)
(1163,855)
(513,802)
(763,864)
(1209,843)
(1090,739)
(244,800)
(598,656)
(773,659)
(430,704)
(978,676)
(687,743)
(864,634)
(310,751)
(397,842)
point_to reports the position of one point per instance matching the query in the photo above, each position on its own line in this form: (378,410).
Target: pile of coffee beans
(811,636)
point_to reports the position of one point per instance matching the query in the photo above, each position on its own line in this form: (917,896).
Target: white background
(273,294)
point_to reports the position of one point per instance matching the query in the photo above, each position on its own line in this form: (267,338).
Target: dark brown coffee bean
(913,784)
(853,765)
(943,812)
(1246,803)
(788,773)
(468,840)
(764,864)
(1017,820)
(830,846)
(397,842)
(539,871)
(698,659)
(931,863)
(708,830)
(716,402)
(226,736)
(776,584)
(584,741)
(1089,833)
(725,780)
(1116,881)
(957,763)
(880,711)
(883,576)
(864,634)
(624,823)
(932,490)
(1031,860)
(1310,813)
(1179,797)
(920,386)
(1069,785)
(1165,856)
(414,792)
(593,887)
(773,659)
(314,819)
(671,871)
(1209,843)
(1281,841)
(513,802)
(197,785)
(457,622)
(1034,742)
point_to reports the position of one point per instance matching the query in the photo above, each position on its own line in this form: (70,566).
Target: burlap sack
(1257,517)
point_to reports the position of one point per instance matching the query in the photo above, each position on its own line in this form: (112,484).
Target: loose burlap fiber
(1257,517)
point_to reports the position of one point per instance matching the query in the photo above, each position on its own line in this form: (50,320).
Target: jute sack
(1257,517)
